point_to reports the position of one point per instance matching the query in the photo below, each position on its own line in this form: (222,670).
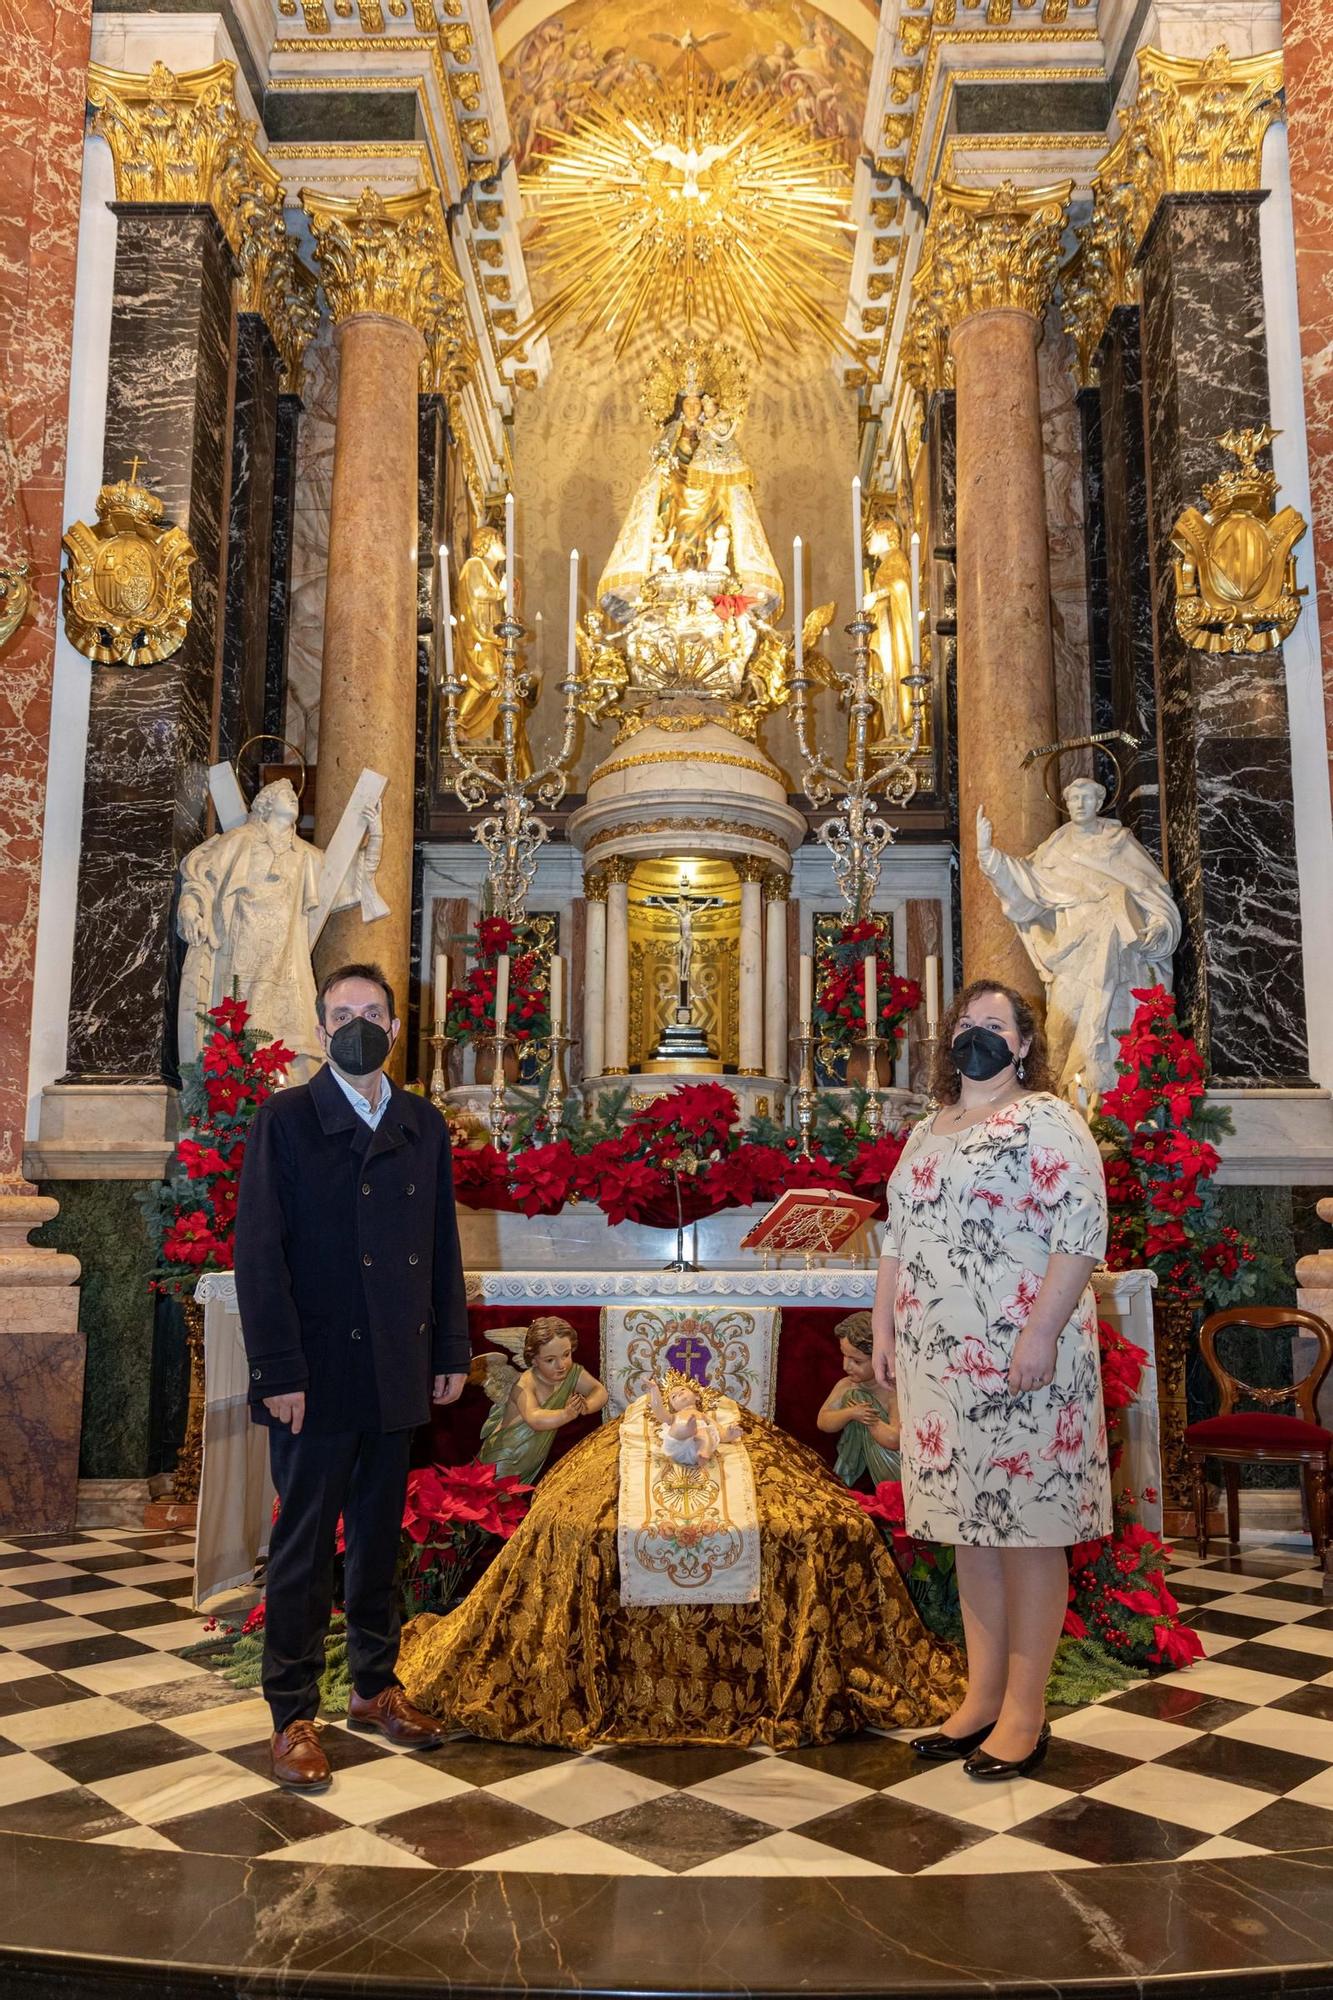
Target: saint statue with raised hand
(247,901)
(889,604)
(1097,918)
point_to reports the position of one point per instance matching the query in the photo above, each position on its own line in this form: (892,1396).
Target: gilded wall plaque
(1235,571)
(127,587)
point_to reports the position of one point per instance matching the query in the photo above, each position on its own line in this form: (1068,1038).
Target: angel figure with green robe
(864,1415)
(528,1408)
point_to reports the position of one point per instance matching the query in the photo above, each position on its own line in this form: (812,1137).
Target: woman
(985,1319)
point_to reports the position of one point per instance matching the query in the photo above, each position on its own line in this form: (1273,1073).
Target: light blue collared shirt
(362,1105)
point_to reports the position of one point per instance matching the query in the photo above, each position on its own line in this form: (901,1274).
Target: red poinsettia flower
(231,1015)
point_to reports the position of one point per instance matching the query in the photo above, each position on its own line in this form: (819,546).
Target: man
(350,1286)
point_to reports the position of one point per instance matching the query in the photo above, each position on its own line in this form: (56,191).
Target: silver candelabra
(510,832)
(856,835)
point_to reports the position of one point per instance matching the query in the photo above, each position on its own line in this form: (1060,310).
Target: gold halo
(1106,750)
(265,737)
(718,371)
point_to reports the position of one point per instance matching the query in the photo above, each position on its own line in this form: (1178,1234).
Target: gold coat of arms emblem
(1235,571)
(127,586)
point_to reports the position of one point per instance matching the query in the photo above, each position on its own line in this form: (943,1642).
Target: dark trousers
(361,1475)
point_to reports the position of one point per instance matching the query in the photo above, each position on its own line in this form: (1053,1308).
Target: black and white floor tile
(108,1736)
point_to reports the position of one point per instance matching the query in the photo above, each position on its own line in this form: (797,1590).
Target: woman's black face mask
(979,1053)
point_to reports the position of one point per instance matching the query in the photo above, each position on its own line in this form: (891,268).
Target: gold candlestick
(440,1044)
(497,1117)
(805,1087)
(553,1102)
(874,1110)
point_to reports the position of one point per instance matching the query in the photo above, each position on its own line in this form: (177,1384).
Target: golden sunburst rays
(676,201)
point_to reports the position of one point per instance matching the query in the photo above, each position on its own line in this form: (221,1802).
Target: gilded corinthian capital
(994,250)
(1197,126)
(179,137)
(176,138)
(385,254)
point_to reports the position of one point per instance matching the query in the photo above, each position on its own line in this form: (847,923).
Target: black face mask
(359,1047)
(979,1053)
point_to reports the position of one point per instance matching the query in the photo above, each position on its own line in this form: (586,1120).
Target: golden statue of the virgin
(694,514)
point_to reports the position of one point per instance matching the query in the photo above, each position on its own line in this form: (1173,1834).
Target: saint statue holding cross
(253,900)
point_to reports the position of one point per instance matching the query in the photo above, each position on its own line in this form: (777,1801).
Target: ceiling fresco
(766,48)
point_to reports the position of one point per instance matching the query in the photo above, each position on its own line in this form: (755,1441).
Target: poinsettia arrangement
(192,1216)
(450,1514)
(839,1016)
(1121,1615)
(1157,1137)
(633,1164)
(470,1009)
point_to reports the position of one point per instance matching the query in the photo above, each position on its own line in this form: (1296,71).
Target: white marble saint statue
(247,899)
(1097,919)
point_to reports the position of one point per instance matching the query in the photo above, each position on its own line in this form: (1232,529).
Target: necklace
(959,1111)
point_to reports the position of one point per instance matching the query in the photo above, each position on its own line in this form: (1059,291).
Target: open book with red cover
(809,1222)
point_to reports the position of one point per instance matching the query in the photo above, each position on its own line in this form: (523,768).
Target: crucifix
(684,907)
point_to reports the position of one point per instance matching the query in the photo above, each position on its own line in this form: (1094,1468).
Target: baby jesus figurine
(689,1434)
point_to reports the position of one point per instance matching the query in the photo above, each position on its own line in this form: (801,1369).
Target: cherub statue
(530,1405)
(690,1434)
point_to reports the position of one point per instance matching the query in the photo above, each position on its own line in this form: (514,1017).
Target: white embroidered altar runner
(686,1534)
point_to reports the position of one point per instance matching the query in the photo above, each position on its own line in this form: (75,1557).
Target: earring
(1020,1071)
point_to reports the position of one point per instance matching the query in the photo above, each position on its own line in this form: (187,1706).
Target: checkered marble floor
(108,1736)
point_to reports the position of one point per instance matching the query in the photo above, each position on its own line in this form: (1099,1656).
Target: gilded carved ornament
(127,586)
(180,137)
(1197,126)
(1235,571)
(386,254)
(15,596)
(995,250)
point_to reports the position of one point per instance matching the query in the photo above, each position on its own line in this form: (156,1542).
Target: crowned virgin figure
(693,514)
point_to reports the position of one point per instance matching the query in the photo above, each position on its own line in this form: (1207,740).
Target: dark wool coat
(348,1272)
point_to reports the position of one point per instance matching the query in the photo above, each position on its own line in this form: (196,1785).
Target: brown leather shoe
(298,1761)
(392,1714)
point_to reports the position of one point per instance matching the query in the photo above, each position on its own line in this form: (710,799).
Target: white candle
(798,600)
(441,985)
(557,993)
(509,555)
(858,557)
(807,992)
(932,994)
(501,992)
(573,612)
(445,617)
(916,599)
(872,995)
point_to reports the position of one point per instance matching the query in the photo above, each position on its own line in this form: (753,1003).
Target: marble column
(942,554)
(42,109)
(594,975)
(1129,611)
(615,1043)
(150,728)
(282,522)
(991,260)
(245,622)
(777,888)
(1093,473)
(1006,698)
(432,450)
(1307,57)
(750,1013)
(1226,749)
(385,265)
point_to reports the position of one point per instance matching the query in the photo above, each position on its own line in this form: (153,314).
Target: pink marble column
(45,45)
(1307,56)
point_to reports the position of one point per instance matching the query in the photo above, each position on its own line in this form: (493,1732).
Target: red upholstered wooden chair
(1243,1437)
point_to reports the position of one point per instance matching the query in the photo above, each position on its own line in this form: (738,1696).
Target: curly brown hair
(945,1082)
(547,1327)
(857,1331)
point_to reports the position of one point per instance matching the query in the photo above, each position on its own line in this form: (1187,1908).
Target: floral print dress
(973,1217)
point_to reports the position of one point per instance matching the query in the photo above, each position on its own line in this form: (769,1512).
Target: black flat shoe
(981,1765)
(942,1749)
